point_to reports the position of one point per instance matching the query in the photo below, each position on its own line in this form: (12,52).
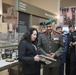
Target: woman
(28,53)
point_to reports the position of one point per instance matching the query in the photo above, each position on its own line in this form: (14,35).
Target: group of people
(49,42)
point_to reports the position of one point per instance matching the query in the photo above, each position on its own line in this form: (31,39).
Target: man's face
(72,29)
(59,30)
(49,28)
(43,29)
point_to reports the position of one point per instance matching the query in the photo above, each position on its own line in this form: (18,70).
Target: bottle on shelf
(8,53)
(0,54)
(14,54)
(3,54)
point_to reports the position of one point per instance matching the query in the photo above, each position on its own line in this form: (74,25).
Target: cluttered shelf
(5,65)
(8,58)
(12,67)
(9,45)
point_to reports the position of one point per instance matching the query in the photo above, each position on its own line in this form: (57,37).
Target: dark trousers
(33,74)
(72,63)
(61,72)
(50,70)
(67,69)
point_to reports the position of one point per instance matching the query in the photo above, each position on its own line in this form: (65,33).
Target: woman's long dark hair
(27,36)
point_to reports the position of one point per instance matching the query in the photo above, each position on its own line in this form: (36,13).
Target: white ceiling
(66,3)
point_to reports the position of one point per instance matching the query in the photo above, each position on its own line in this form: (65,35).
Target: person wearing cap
(71,29)
(72,44)
(43,27)
(63,55)
(59,29)
(51,44)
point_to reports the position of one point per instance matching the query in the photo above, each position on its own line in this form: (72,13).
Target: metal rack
(10,44)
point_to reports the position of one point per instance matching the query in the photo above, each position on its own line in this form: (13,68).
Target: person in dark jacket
(63,55)
(43,28)
(28,53)
(73,52)
(68,54)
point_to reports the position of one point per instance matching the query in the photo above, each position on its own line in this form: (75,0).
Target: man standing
(43,27)
(73,52)
(59,29)
(51,44)
(68,54)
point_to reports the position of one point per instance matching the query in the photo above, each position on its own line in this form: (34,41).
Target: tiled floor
(5,72)
(42,71)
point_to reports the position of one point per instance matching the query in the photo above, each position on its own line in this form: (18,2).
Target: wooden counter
(8,65)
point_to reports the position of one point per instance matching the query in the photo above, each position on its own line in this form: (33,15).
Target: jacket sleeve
(22,53)
(71,40)
(65,44)
(65,47)
(39,46)
(61,47)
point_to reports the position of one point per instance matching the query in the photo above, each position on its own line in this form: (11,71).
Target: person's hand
(48,55)
(48,62)
(52,55)
(74,43)
(36,58)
